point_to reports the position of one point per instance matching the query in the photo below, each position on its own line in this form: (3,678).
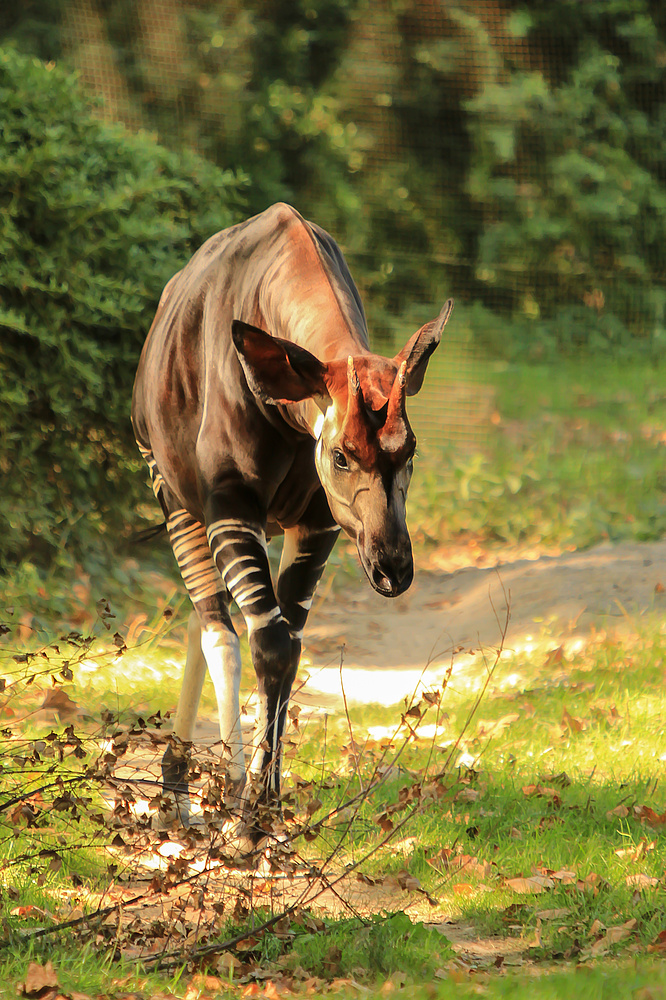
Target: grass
(534,827)
(545,832)
(569,455)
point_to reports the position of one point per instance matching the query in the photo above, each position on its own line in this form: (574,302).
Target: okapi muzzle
(365,469)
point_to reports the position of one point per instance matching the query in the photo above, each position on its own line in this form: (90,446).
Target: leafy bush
(93,222)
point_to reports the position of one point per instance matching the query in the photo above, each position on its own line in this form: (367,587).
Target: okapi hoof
(174,781)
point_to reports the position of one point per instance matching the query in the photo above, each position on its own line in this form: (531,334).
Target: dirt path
(387,644)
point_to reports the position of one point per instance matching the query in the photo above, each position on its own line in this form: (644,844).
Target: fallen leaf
(467,795)
(39,978)
(557,914)
(612,936)
(532,884)
(642,881)
(247,944)
(572,724)
(493,727)
(57,700)
(271,990)
(648,815)
(407,881)
(564,876)
(554,656)
(561,779)
(542,791)
(659,943)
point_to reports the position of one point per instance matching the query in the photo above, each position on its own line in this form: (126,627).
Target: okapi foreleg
(304,556)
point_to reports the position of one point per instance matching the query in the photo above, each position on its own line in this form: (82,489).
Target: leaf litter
(174,893)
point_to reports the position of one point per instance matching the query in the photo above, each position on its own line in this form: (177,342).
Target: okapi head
(364,443)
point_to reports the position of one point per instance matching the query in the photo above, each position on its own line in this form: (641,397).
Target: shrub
(93,222)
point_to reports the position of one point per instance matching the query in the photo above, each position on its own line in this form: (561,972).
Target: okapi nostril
(381,582)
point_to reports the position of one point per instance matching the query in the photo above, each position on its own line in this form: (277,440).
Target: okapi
(261,410)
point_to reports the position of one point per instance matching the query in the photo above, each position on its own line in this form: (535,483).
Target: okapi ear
(418,349)
(276,370)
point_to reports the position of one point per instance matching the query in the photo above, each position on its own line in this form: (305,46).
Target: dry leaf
(557,914)
(247,944)
(572,724)
(542,791)
(39,978)
(554,656)
(493,727)
(648,815)
(467,795)
(407,881)
(57,700)
(616,934)
(564,876)
(200,983)
(659,943)
(533,884)
(642,881)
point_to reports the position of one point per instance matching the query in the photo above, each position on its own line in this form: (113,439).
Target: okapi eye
(339,459)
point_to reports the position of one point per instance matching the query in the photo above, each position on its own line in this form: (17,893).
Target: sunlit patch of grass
(572,454)
(535,820)
(557,777)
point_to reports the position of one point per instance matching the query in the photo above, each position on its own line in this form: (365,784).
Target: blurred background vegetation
(511,154)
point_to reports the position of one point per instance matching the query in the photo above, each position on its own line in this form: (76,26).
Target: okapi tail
(148,534)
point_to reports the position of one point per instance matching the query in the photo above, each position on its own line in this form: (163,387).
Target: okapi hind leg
(212,643)
(174,763)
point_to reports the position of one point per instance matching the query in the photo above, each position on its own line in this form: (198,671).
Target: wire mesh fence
(512,156)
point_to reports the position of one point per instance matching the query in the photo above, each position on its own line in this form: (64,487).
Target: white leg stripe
(246,598)
(231,526)
(255,622)
(231,584)
(236,562)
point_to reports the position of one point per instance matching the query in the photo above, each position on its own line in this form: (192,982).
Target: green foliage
(93,223)
(574,201)
(511,157)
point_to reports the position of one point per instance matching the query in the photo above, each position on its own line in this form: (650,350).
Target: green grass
(559,771)
(560,780)
(568,455)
